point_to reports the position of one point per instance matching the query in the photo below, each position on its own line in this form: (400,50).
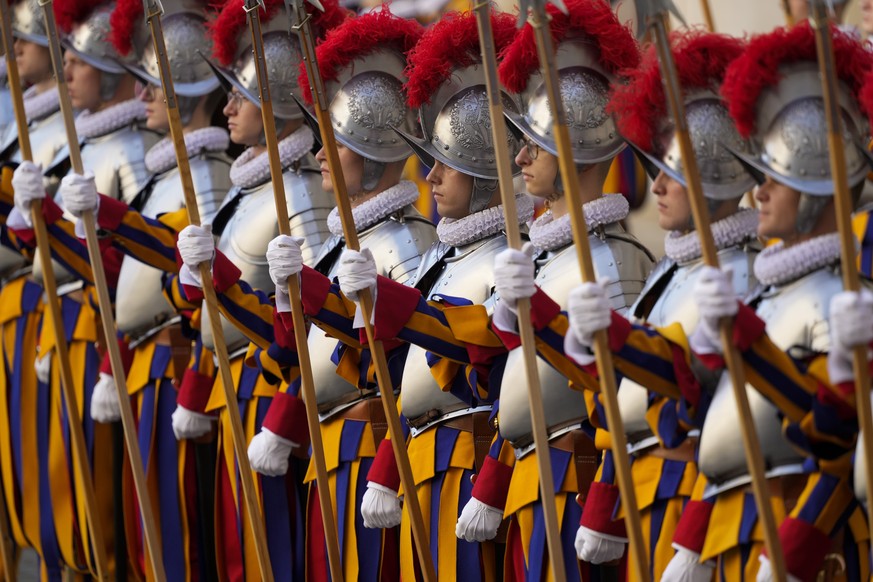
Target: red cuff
(110,213)
(394,308)
(384,468)
(51,211)
(691,530)
(619,330)
(314,288)
(543,309)
(492,483)
(804,547)
(510,339)
(748,327)
(224,273)
(286,417)
(194,391)
(126,358)
(598,513)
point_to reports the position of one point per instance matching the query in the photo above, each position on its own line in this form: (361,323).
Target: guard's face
(777,208)
(539,169)
(451,190)
(244,122)
(353,170)
(867,16)
(34,61)
(83,83)
(156,107)
(674,209)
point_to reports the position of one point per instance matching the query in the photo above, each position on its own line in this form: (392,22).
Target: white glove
(851,322)
(79,193)
(685,566)
(268,453)
(765,572)
(43,367)
(589,310)
(285,257)
(380,507)
(514,275)
(196,245)
(716,299)
(478,522)
(104,400)
(597,548)
(188,424)
(27,186)
(357,271)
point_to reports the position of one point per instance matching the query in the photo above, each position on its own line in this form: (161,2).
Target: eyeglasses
(235,98)
(533,149)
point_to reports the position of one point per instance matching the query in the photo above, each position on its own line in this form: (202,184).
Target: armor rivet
(475,160)
(611,135)
(446,147)
(351,132)
(597,141)
(339,123)
(703,143)
(806,140)
(393,141)
(733,176)
(365,138)
(379,141)
(716,176)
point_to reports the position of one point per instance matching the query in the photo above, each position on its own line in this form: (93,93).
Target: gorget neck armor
(778,264)
(375,209)
(250,169)
(482,224)
(740,227)
(40,105)
(90,125)
(162,156)
(548,233)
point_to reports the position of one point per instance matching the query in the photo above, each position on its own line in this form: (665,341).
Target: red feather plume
(358,37)
(451,43)
(640,105)
(124,20)
(758,67)
(616,46)
(230,22)
(68,13)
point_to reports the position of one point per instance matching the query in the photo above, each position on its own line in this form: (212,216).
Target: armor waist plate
(616,255)
(253,225)
(47,138)
(674,304)
(797,317)
(139,298)
(397,244)
(468,274)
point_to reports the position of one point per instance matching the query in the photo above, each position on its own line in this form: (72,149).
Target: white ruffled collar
(162,156)
(250,170)
(548,233)
(737,228)
(375,209)
(777,265)
(482,224)
(40,105)
(90,125)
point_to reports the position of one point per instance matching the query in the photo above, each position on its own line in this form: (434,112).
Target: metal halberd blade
(647,9)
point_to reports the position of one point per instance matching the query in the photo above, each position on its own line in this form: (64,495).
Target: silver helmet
(185,37)
(584,86)
(89,41)
(282,55)
(792,144)
(457,127)
(28,22)
(712,132)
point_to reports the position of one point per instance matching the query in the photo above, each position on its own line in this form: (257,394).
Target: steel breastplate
(468,274)
(397,244)
(252,225)
(618,256)
(47,138)
(10,260)
(118,162)
(140,304)
(668,298)
(797,317)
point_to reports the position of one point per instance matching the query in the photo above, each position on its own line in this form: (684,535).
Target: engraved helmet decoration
(102,34)
(782,108)
(184,27)
(362,63)
(644,121)
(447,86)
(236,66)
(585,76)
(28,22)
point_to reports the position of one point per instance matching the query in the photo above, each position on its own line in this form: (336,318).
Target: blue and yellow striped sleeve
(149,240)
